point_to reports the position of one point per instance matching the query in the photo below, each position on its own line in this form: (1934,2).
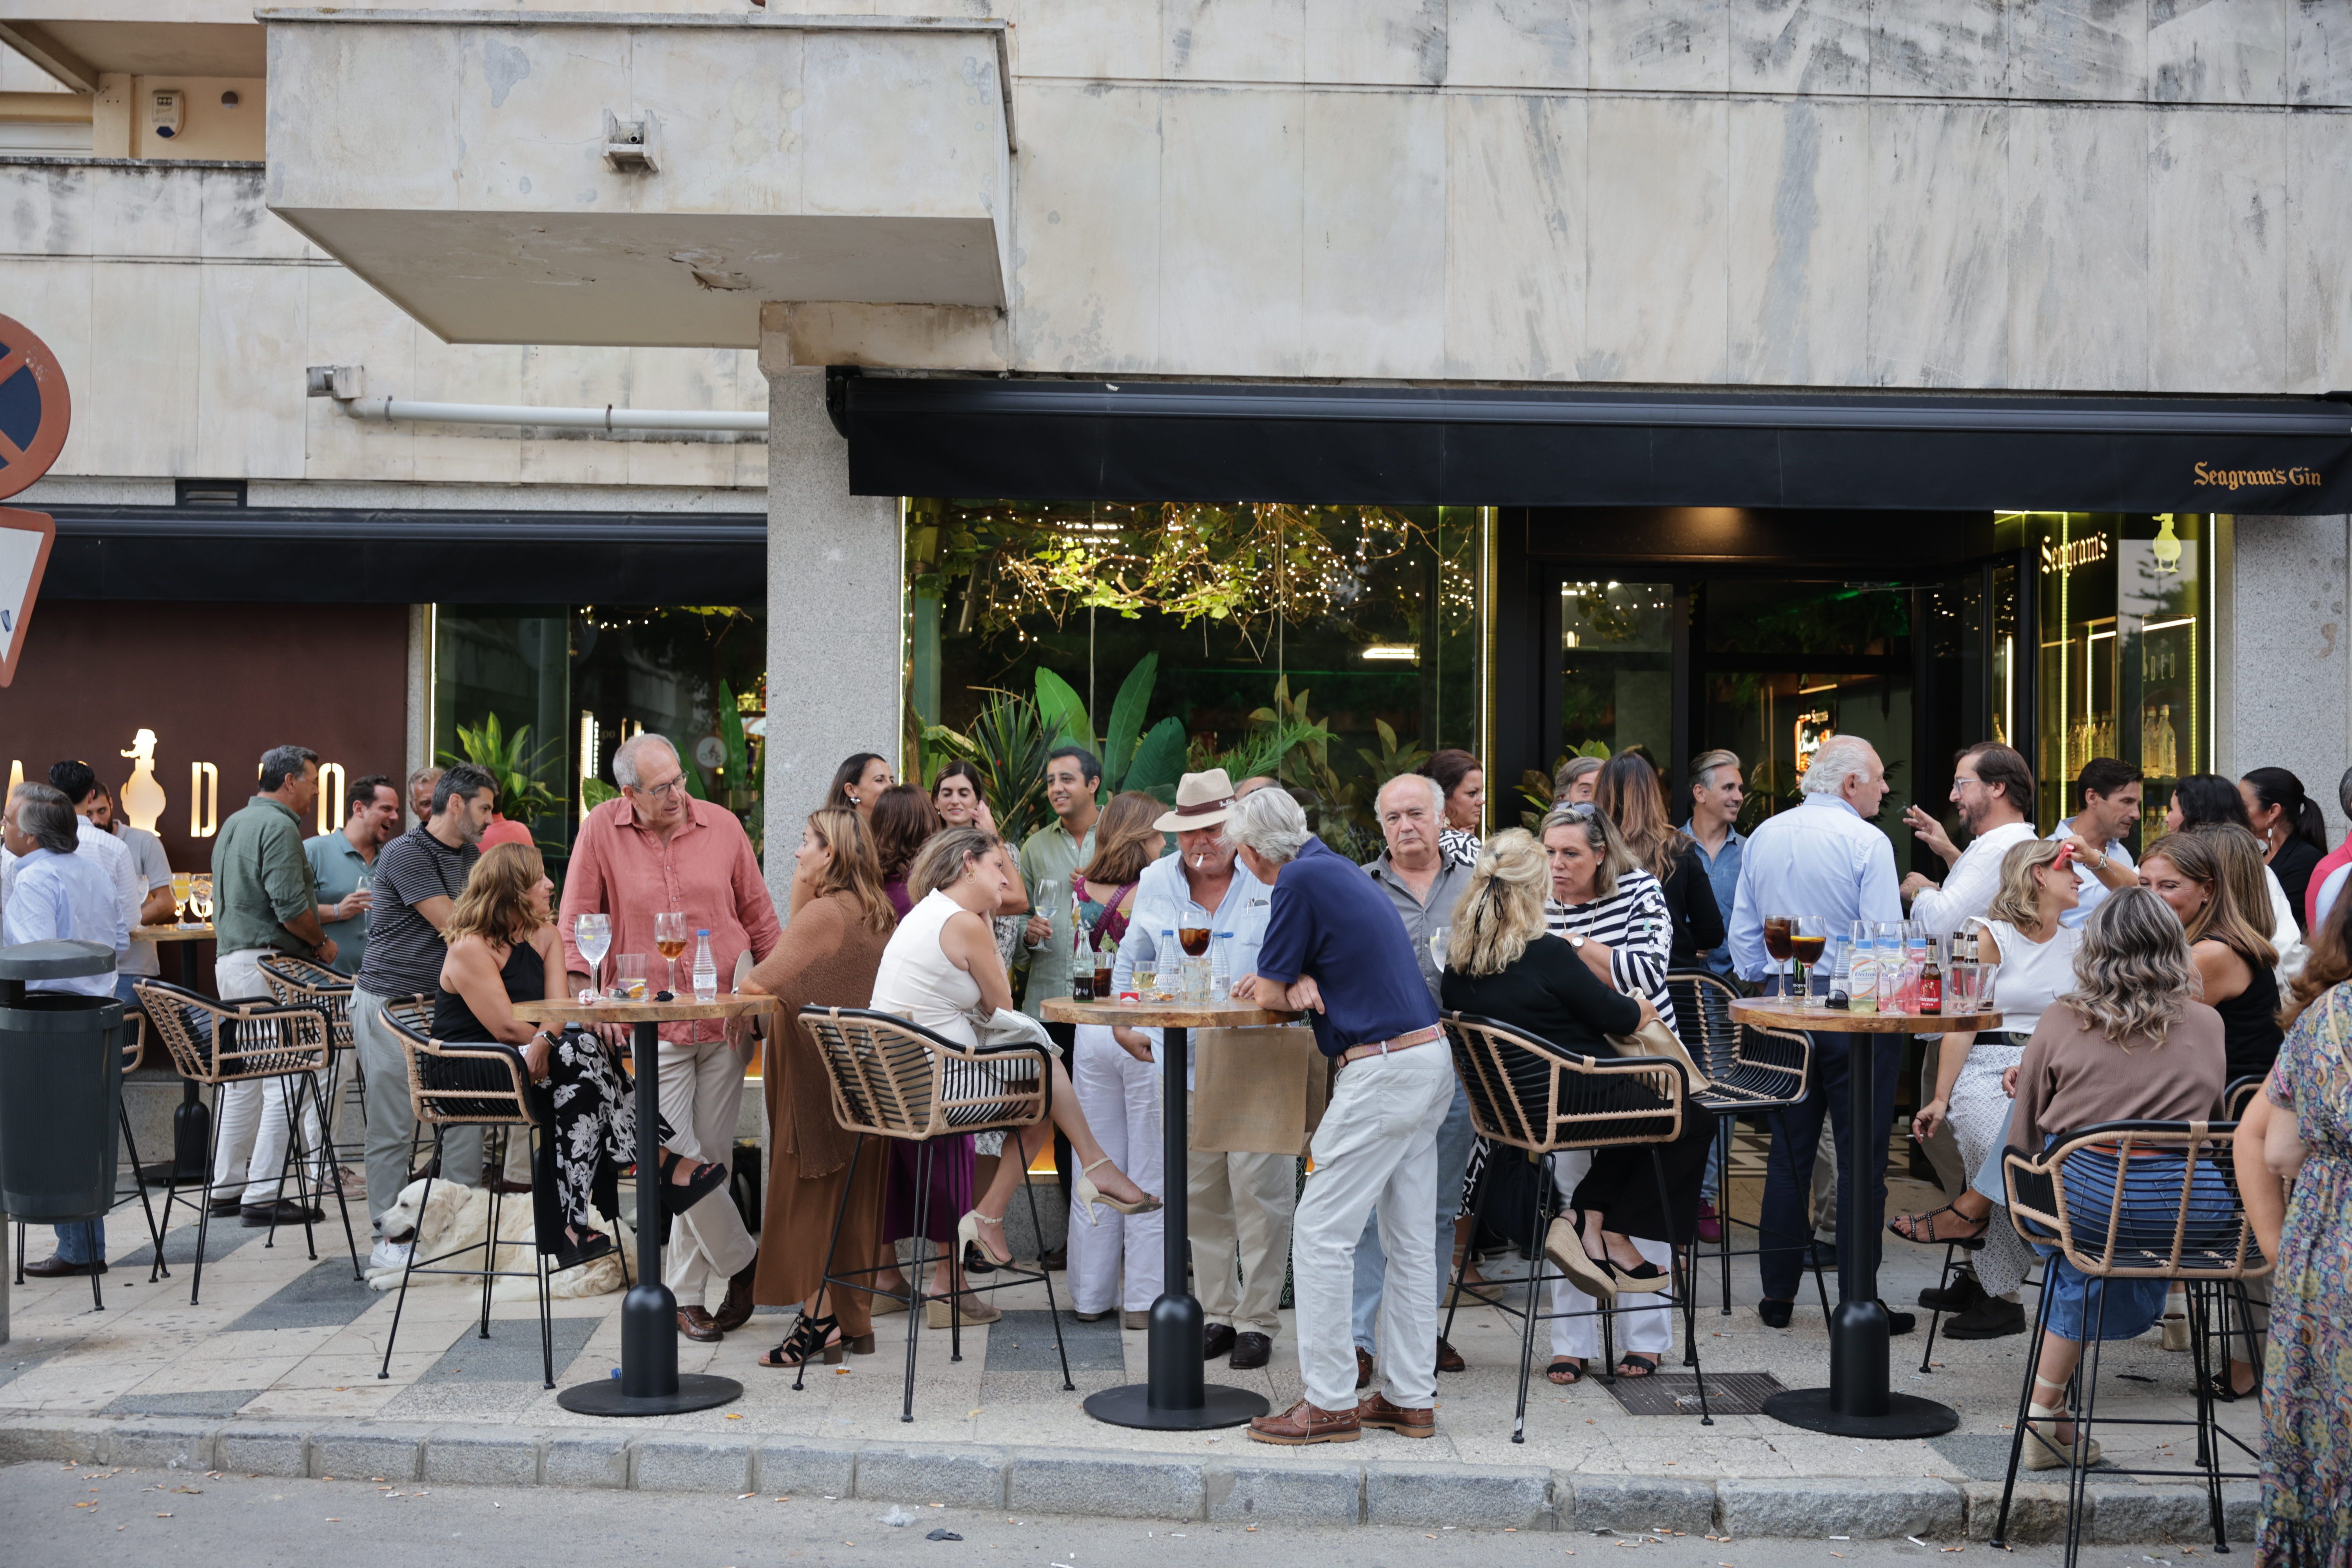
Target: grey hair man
(1423,885)
(419,877)
(1716,794)
(1335,949)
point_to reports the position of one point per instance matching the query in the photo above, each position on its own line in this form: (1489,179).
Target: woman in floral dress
(2306,1514)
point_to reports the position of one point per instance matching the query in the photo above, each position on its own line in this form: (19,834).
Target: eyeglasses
(672,787)
(1958,782)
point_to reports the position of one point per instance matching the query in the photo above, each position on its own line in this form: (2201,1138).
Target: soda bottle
(1931,983)
(705,971)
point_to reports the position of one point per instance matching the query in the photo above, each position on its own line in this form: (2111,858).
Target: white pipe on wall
(605,418)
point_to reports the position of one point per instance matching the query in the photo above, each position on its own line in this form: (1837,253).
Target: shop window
(2124,645)
(543,695)
(1338,644)
(1617,669)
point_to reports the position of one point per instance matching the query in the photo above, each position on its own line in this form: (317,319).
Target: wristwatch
(1576,939)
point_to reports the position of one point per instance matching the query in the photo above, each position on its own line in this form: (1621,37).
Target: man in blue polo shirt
(1335,950)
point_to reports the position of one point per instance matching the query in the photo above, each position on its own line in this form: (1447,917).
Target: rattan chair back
(1531,1095)
(896,1079)
(464,1083)
(2138,1199)
(1751,1068)
(218,1042)
(2238,1095)
(299,980)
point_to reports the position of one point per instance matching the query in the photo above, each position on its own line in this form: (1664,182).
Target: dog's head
(402,1219)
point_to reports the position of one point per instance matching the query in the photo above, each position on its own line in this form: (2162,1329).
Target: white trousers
(701,1097)
(1376,1146)
(1242,1208)
(1121,1098)
(250,1135)
(1649,1330)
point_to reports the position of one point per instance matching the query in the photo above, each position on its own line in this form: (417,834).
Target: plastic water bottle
(1168,966)
(1890,967)
(1862,970)
(706,973)
(1221,968)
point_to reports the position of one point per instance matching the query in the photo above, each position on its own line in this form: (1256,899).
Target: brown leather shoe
(1377,1411)
(1448,1358)
(59,1268)
(1363,1367)
(697,1324)
(1304,1423)
(736,1309)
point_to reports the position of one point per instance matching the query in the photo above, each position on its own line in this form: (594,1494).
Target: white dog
(457,1218)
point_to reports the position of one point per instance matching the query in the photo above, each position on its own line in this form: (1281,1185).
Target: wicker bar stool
(220,1043)
(1750,1071)
(1528,1095)
(303,980)
(2135,1200)
(892,1079)
(468,1083)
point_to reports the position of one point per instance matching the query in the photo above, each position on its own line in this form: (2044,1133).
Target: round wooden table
(1858,1403)
(191,1119)
(1177,1397)
(649,1384)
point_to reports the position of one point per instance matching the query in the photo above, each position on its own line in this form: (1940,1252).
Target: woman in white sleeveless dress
(2022,933)
(941,971)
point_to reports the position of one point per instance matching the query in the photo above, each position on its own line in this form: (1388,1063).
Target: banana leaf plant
(514,765)
(1007,742)
(1148,761)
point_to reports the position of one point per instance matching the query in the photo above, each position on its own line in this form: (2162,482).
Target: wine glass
(1778,945)
(199,897)
(182,883)
(1808,935)
(1437,947)
(669,941)
(593,934)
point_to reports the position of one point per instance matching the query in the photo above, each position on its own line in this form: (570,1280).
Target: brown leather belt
(1382,1048)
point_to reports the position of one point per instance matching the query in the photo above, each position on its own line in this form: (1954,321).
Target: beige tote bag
(1256,1092)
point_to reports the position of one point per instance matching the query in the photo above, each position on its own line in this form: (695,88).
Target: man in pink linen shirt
(657,850)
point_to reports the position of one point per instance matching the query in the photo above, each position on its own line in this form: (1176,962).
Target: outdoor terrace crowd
(2126,992)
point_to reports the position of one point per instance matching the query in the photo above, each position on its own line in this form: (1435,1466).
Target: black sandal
(678,1198)
(2218,1389)
(1572,1366)
(587,1249)
(1635,1364)
(1932,1236)
(810,1336)
(1636,1277)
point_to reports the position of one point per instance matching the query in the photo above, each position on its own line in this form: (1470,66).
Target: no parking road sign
(35,413)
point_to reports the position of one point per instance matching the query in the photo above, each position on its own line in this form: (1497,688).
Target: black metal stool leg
(824,1279)
(915,1278)
(139,1179)
(408,1269)
(335,1174)
(204,1200)
(1534,1292)
(1052,1313)
(2024,1399)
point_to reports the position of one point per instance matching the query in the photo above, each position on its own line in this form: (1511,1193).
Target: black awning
(382,556)
(1144,441)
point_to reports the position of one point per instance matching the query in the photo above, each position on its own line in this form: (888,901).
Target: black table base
(1857,1402)
(1178,1397)
(649,1384)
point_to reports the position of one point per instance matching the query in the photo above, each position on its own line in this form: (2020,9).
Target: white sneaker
(390,1254)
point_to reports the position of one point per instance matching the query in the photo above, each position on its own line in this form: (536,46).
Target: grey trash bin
(60,1086)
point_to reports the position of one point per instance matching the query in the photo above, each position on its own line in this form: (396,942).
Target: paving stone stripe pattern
(275,1374)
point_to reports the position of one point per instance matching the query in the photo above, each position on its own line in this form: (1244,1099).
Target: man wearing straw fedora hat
(1335,949)
(1253,1094)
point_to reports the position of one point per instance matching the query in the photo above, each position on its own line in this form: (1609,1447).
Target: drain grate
(1676,1392)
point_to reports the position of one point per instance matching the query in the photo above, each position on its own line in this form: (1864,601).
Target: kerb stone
(78,1440)
(599,1458)
(356,1452)
(161,1443)
(678,1463)
(2037,1510)
(1634,1503)
(1480,1497)
(262,1449)
(1865,1507)
(1118,1486)
(787,1467)
(1284,1494)
(960,1477)
(483,1456)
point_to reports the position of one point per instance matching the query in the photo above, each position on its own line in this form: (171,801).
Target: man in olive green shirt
(265,901)
(1047,860)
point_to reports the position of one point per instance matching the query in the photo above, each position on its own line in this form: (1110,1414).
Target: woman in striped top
(1610,911)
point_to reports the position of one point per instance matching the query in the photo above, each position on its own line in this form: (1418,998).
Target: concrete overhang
(75,40)
(459,161)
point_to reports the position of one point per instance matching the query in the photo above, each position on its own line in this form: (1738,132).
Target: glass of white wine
(669,941)
(200,897)
(593,936)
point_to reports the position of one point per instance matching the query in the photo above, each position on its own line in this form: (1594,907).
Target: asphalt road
(72,1516)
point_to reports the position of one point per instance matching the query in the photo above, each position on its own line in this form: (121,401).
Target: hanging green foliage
(514,765)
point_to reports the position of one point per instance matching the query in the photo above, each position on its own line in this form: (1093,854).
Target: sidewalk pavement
(276,1373)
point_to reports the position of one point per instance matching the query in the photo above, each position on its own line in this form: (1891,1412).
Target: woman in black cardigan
(1630,795)
(1616,1239)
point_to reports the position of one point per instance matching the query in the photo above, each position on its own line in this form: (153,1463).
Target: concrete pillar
(2289,649)
(835,663)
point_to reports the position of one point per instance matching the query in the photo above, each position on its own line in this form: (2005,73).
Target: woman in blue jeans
(2129,1042)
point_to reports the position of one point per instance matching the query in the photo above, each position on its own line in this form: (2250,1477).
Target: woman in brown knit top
(827,958)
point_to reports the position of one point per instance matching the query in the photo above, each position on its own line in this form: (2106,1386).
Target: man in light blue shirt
(2107,797)
(1241,1205)
(58,893)
(1824,859)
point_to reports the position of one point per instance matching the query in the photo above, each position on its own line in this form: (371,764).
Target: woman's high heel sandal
(819,1337)
(678,1198)
(967,1237)
(2046,1453)
(1643,1276)
(1564,1244)
(595,1244)
(1088,1196)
